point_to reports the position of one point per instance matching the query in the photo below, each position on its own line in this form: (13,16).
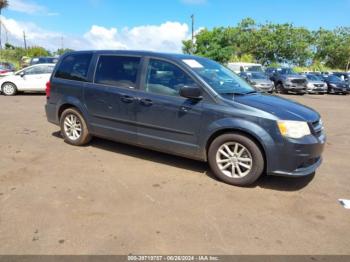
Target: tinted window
(165,78)
(36,70)
(117,71)
(74,67)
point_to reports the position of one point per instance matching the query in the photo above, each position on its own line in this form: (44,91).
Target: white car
(29,79)
(241,67)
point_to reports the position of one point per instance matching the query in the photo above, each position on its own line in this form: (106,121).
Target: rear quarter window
(74,67)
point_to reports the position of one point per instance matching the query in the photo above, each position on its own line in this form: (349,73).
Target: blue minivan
(184,105)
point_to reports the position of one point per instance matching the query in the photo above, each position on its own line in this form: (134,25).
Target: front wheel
(9,89)
(236,159)
(73,128)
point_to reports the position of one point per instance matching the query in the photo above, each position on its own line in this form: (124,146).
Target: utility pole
(24,40)
(192,18)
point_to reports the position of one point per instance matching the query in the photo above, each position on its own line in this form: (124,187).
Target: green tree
(3,5)
(37,51)
(333,47)
(61,51)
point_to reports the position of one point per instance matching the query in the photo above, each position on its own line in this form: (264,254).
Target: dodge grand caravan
(184,105)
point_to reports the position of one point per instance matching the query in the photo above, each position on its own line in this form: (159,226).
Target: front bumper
(316,90)
(264,88)
(294,88)
(343,90)
(298,157)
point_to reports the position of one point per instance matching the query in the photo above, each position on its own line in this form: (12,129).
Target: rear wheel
(236,159)
(73,128)
(9,89)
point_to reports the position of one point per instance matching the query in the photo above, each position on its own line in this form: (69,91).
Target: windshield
(334,79)
(258,76)
(254,68)
(287,71)
(313,78)
(220,78)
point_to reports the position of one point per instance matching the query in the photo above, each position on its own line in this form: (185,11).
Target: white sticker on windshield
(192,63)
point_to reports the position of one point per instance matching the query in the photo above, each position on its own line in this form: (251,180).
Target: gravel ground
(110,198)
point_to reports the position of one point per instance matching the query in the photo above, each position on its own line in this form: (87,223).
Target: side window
(49,69)
(165,78)
(74,67)
(118,71)
(35,70)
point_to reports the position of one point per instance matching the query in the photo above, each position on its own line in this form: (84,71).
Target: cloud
(29,7)
(35,35)
(194,2)
(166,37)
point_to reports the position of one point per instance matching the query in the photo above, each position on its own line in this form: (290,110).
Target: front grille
(298,81)
(318,85)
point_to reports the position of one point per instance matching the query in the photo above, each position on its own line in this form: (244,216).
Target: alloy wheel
(72,127)
(234,160)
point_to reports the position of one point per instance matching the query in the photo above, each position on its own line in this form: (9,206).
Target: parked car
(30,79)
(6,68)
(43,60)
(315,84)
(288,81)
(336,85)
(259,81)
(240,67)
(185,105)
(345,76)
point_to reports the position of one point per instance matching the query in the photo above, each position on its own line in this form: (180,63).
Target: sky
(158,25)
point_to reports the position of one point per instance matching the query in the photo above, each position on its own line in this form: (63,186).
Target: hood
(282,108)
(262,81)
(294,76)
(316,82)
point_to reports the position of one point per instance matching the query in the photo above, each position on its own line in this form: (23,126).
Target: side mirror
(22,74)
(191,92)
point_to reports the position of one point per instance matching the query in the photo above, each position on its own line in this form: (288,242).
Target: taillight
(48,89)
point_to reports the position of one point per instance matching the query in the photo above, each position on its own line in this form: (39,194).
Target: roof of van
(139,53)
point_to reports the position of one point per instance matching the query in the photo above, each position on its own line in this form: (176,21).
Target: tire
(73,128)
(250,151)
(9,89)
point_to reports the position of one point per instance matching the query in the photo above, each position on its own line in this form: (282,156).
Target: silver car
(315,85)
(259,81)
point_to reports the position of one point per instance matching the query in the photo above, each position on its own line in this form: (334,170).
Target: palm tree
(3,4)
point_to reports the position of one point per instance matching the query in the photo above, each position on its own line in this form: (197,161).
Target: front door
(166,121)
(111,98)
(34,78)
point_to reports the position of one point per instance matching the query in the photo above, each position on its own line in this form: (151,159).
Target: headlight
(293,129)
(309,85)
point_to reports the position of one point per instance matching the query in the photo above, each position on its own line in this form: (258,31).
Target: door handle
(127,99)
(146,102)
